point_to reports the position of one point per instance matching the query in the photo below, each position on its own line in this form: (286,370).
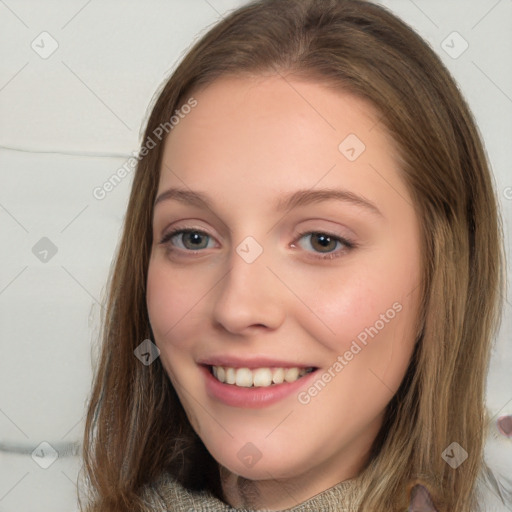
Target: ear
(421,500)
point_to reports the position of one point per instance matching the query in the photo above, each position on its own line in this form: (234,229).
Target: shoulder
(493,489)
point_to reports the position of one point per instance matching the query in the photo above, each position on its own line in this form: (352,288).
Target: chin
(261,471)
(254,464)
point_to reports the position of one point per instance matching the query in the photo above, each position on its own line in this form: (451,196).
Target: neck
(279,494)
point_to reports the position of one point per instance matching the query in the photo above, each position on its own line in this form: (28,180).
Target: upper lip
(252,362)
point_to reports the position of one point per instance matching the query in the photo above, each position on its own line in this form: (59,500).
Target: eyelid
(184,229)
(349,243)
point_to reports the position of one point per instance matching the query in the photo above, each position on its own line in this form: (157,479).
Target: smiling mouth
(258,377)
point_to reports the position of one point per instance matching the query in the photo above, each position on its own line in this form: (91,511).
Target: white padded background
(76,78)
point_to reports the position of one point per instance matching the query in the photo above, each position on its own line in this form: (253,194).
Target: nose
(250,297)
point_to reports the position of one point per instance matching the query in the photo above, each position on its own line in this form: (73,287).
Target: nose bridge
(249,291)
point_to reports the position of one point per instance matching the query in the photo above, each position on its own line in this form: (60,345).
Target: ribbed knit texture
(166,495)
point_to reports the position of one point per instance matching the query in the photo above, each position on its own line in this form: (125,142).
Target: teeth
(258,377)
(230,376)
(262,377)
(243,378)
(291,375)
(278,377)
(221,374)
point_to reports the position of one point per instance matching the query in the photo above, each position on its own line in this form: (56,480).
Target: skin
(248,143)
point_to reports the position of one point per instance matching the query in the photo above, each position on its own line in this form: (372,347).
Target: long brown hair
(136,428)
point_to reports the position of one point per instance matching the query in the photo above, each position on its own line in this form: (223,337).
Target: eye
(326,243)
(187,239)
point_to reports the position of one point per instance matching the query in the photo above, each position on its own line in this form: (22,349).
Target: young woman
(309,279)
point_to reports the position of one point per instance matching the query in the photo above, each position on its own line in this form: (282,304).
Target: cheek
(372,318)
(359,303)
(173,300)
(368,315)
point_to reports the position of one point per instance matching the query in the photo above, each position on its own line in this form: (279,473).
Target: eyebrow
(293,200)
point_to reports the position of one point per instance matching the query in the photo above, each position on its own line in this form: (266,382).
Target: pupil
(195,238)
(323,240)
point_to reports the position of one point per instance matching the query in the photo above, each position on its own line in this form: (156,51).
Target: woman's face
(303,254)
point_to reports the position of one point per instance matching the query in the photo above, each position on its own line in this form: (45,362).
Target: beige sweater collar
(166,495)
(169,496)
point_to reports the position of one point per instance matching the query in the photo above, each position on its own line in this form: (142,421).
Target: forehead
(256,135)
(242,105)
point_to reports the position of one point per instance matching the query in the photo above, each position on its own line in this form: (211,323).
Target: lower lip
(254,397)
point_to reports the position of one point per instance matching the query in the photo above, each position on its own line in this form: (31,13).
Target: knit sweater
(166,495)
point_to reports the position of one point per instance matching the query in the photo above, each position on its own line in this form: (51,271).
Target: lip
(252,398)
(251,363)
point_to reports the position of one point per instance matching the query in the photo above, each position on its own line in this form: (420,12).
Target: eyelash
(349,245)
